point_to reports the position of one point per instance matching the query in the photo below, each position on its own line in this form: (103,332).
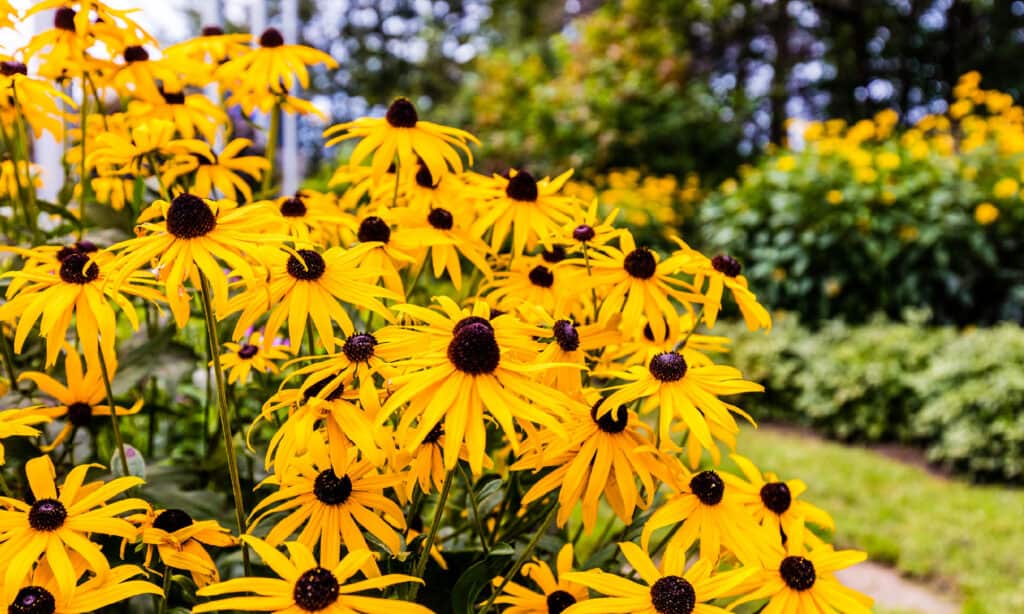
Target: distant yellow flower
(273,66)
(1005,188)
(21,423)
(834,197)
(887,161)
(986,213)
(786,163)
(865,175)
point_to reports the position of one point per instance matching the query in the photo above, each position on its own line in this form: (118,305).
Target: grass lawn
(928,527)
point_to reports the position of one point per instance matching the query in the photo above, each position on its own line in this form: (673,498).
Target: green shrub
(959,395)
(866,218)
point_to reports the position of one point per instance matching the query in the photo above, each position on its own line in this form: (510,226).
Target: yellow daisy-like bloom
(35,100)
(643,346)
(774,503)
(986,213)
(671,589)
(79,401)
(304,586)
(309,217)
(272,66)
(633,282)
(722,272)
(191,114)
(531,210)
(42,592)
(308,285)
(229,173)
(567,351)
(383,255)
(55,525)
(424,466)
(544,282)
(684,391)
(114,153)
(74,282)
(602,455)
(180,542)
(11,174)
(797,581)
(422,192)
(115,191)
(588,230)
(459,365)
(329,509)
(194,235)
(556,595)
(256,353)
(402,133)
(212,48)
(707,509)
(145,79)
(21,422)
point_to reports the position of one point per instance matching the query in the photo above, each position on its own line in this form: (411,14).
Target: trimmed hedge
(957,394)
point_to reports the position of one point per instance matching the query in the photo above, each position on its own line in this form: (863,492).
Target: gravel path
(894,592)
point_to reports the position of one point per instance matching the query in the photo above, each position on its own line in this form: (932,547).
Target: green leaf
(466,592)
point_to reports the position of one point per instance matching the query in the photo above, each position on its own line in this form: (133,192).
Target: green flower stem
(154,165)
(21,136)
(5,347)
(9,146)
(428,544)
(113,412)
(167,590)
(271,149)
(473,503)
(84,179)
(213,342)
(696,323)
(523,557)
(4,487)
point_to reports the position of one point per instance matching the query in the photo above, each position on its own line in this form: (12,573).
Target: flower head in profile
(303,585)
(36,100)
(556,593)
(21,422)
(143,148)
(402,134)
(82,399)
(55,525)
(191,114)
(256,353)
(671,588)
(721,272)
(181,542)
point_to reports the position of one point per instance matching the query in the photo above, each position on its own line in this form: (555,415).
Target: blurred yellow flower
(1005,188)
(887,161)
(986,213)
(786,164)
(834,197)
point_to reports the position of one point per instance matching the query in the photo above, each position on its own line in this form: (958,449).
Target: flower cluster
(428,329)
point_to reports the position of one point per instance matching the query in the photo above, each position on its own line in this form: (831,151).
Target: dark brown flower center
(584,233)
(435,434)
(13,68)
(797,572)
(174,98)
(271,38)
(374,228)
(424,179)
(441,219)
(640,263)
(673,595)
(776,497)
(316,589)
(189,217)
(64,19)
(47,515)
(359,347)
(708,487)
(668,366)
(317,387)
(522,187)
(83,246)
(293,207)
(172,520)
(553,256)
(310,268)
(212,30)
(542,276)
(559,601)
(135,53)
(328,488)
(33,600)
(566,335)
(726,265)
(247,351)
(402,114)
(80,414)
(612,422)
(76,269)
(464,322)
(474,350)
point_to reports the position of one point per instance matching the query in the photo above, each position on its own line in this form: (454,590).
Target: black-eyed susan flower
(80,400)
(460,365)
(194,235)
(36,101)
(54,525)
(256,353)
(181,542)
(191,114)
(42,593)
(634,282)
(272,66)
(531,210)
(424,465)
(671,588)
(641,345)
(687,392)
(774,503)
(707,509)
(382,254)
(422,192)
(721,272)
(144,78)
(56,286)
(21,422)
(306,285)
(303,585)
(229,173)
(146,144)
(402,134)
(212,47)
(328,509)
(603,455)
(556,593)
(115,191)
(536,281)
(587,229)
(352,368)
(568,348)
(798,581)
(310,217)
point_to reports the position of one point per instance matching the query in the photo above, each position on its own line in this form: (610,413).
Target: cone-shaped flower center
(374,228)
(522,187)
(172,520)
(566,335)
(189,217)
(668,366)
(640,263)
(559,601)
(310,268)
(293,207)
(80,414)
(474,350)
(441,219)
(401,114)
(76,269)
(33,600)
(316,589)
(135,53)
(542,276)
(776,497)
(271,38)
(797,572)
(673,595)
(708,487)
(64,19)
(331,489)
(47,515)
(726,265)
(359,347)
(248,351)
(612,422)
